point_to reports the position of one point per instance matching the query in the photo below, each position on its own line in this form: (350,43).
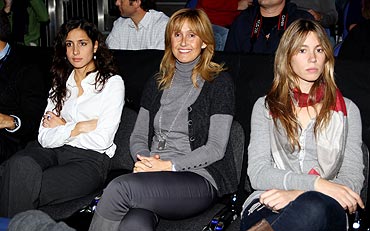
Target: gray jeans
(133,201)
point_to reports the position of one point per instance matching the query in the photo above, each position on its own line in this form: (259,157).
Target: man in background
(139,27)
(258,29)
(26,18)
(23,95)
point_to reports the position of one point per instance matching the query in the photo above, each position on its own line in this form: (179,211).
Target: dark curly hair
(61,68)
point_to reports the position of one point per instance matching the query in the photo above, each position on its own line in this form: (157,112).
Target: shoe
(262,225)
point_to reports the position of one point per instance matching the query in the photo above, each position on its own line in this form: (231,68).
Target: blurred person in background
(27,17)
(139,27)
(23,94)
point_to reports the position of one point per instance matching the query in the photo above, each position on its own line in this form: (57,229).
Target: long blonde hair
(199,23)
(279,100)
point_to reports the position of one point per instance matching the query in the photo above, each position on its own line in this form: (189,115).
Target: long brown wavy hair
(61,68)
(199,23)
(279,100)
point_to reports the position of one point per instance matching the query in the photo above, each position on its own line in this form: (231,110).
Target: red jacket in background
(220,12)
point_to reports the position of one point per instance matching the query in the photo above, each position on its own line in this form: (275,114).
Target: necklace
(161,136)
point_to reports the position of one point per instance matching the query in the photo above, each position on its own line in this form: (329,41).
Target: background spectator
(139,27)
(27,17)
(356,45)
(324,11)
(23,95)
(258,29)
(221,14)
(354,14)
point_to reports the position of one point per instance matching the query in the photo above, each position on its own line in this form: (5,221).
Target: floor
(81,221)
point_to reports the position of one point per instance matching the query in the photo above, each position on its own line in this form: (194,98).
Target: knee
(319,203)
(318,206)
(139,219)
(116,199)
(117,186)
(117,193)
(21,164)
(33,220)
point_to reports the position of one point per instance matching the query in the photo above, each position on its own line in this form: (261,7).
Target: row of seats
(252,76)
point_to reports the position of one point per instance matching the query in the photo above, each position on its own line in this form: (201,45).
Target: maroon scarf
(302,99)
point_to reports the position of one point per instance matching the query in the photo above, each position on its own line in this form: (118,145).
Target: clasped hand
(277,199)
(151,164)
(51,120)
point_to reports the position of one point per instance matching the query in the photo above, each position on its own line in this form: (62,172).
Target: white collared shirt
(148,35)
(4,51)
(106,106)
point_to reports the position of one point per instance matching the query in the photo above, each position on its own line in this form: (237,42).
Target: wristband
(17,123)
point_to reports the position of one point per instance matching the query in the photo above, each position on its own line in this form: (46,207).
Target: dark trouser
(8,147)
(132,201)
(311,211)
(37,176)
(36,220)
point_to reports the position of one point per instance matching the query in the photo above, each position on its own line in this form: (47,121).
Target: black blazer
(23,93)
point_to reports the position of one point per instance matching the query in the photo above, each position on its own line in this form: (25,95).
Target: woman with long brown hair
(308,172)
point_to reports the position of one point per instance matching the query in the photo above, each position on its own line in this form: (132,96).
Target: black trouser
(8,147)
(38,176)
(132,201)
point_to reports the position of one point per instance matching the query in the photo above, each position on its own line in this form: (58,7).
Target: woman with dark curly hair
(77,130)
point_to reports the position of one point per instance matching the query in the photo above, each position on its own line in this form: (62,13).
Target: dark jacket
(240,39)
(356,45)
(23,93)
(216,97)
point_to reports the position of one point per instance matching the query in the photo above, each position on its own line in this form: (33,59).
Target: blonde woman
(308,172)
(179,137)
